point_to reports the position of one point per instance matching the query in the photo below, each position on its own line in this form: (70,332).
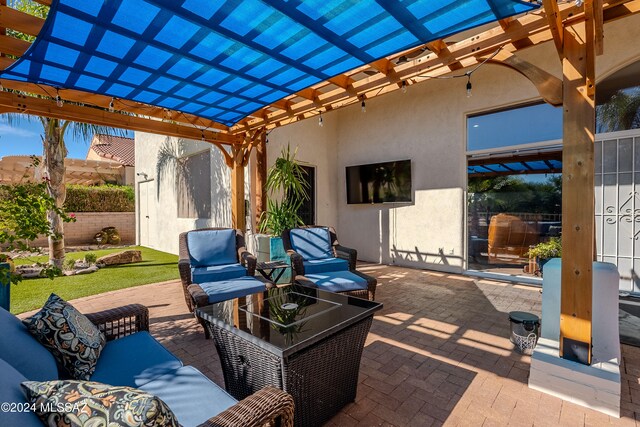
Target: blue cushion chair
(132,357)
(318,260)
(216,266)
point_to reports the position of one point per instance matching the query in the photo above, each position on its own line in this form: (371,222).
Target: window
(521,125)
(194,195)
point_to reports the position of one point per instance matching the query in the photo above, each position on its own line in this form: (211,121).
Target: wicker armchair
(338,259)
(268,406)
(193,295)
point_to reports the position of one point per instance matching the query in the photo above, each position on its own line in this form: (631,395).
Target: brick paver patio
(438,353)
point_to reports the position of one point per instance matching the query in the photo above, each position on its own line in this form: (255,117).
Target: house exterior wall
(427,125)
(164,225)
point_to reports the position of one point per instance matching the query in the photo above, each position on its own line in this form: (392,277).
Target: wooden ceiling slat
(12,46)
(20,21)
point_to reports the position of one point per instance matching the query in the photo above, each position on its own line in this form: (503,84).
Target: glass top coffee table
(305,341)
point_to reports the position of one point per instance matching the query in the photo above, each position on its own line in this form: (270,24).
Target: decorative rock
(88,270)
(124,257)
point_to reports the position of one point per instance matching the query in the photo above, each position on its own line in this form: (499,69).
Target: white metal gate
(617,182)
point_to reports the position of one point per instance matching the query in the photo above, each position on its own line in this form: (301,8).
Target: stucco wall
(164,224)
(427,125)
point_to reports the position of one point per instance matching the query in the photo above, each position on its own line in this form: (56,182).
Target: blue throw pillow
(74,341)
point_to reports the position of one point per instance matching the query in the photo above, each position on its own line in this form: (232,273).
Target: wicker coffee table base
(322,378)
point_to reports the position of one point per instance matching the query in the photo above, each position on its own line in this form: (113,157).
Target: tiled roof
(117,148)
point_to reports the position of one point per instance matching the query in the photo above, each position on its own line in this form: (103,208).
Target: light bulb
(59,101)
(364,106)
(111,105)
(202,138)
(469,89)
(404,86)
(320,121)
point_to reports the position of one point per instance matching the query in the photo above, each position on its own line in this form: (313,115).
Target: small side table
(269,268)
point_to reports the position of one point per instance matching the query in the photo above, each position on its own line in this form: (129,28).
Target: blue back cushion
(311,243)
(212,247)
(10,392)
(21,350)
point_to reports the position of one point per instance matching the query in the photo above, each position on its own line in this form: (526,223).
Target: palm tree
(54,151)
(620,112)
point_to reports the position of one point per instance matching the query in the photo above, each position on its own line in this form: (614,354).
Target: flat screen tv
(388,182)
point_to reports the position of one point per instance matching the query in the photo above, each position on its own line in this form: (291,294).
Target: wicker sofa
(318,260)
(132,357)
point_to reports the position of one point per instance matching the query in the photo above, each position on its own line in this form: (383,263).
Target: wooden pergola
(576,29)
(16,169)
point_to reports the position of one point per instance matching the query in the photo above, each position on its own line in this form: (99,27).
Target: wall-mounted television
(388,182)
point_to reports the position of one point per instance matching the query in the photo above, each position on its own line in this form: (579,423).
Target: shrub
(90,258)
(69,264)
(102,198)
(546,250)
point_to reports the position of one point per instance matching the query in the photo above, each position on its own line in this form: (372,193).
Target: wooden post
(578,192)
(260,202)
(237,189)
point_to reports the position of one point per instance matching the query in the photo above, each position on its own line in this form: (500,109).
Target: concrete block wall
(88,224)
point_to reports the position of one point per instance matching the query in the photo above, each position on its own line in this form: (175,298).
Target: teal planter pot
(5,285)
(277,253)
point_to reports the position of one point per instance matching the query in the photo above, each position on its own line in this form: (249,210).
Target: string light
(59,101)
(1,87)
(111,106)
(202,133)
(469,86)
(404,86)
(320,121)
(363,105)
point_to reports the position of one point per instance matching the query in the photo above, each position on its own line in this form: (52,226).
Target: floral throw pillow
(88,404)
(74,341)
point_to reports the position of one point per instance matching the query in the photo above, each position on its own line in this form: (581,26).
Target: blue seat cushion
(134,360)
(11,392)
(215,273)
(338,281)
(16,342)
(192,397)
(233,288)
(212,247)
(325,265)
(311,243)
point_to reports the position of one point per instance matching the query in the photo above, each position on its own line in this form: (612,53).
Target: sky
(25,138)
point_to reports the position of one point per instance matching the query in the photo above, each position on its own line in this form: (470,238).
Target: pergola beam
(555,23)
(47,108)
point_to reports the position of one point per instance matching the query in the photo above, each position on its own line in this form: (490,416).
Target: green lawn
(155,267)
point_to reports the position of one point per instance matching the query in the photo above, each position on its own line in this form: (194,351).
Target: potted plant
(543,252)
(287,190)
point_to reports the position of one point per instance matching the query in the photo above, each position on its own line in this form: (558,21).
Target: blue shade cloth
(192,397)
(215,273)
(134,360)
(212,247)
(311,243)
(233,288)
(16,342)
(11,392)
(226,59)
(324,265)
(338,281)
